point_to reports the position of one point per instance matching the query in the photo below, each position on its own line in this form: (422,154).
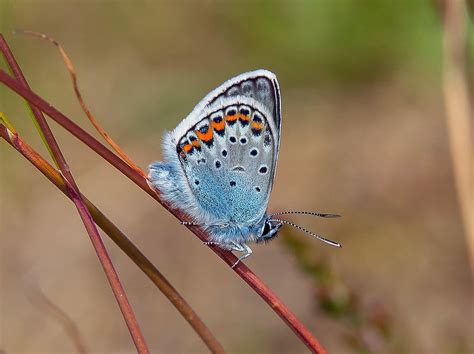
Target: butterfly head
(269,229)
(270,225)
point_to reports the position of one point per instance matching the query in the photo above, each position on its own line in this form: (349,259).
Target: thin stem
(90,116)
(86,217)
(120,240)
(242,270)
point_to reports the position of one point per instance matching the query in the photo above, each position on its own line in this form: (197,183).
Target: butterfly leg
(241,248)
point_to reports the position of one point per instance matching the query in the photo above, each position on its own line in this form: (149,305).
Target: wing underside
(228,148)
(228,159)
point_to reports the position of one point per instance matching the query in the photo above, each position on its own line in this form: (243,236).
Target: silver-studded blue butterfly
(220,162)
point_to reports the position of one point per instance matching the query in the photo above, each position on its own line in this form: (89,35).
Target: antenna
(321,238)
(321,215)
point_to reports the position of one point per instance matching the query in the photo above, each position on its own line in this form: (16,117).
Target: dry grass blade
(90,116)
(458,112)
(89,225)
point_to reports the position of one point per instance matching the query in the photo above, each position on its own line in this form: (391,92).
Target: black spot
(231,122)
(257,189)
(254,152)
(244,111)
(244,123)
(232,139)
(243,141)
(209,143)
(267,140)
(224,152)
(203,160)
(231,112)
(263,169)
(257,118)
(232,183)
(218,120)
(218,164)
(204,129)
(196,182)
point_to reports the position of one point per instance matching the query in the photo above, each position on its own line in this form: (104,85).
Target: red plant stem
(241,269)
(120,240)
(86,217)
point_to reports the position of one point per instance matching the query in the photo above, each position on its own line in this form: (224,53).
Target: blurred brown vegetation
(364,134)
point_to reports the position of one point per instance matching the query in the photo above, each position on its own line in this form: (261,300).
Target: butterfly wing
(226,151)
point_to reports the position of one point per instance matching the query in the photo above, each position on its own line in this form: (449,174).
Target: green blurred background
(364,134)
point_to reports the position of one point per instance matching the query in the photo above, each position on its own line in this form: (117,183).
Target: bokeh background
(364,134)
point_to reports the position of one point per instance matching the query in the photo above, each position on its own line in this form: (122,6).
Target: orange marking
(182,154)
(231,118)
(205,136)
(244,117)
(257,125)
(196,143)
(187,147)
(218,126)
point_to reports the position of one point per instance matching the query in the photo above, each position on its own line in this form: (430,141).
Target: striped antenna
(321,238)
(321,215)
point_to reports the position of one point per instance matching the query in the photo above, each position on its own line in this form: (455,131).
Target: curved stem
(75,195)
(121,240)
(241,269)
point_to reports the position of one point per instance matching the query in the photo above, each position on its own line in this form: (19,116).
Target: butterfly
(220,163)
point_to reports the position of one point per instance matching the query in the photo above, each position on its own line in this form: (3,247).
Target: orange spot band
(257,125)
(231,118)
(205,136)
(218,126)
(244,117)
(187,147)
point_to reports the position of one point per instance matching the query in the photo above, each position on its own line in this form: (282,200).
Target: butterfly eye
(266,229)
